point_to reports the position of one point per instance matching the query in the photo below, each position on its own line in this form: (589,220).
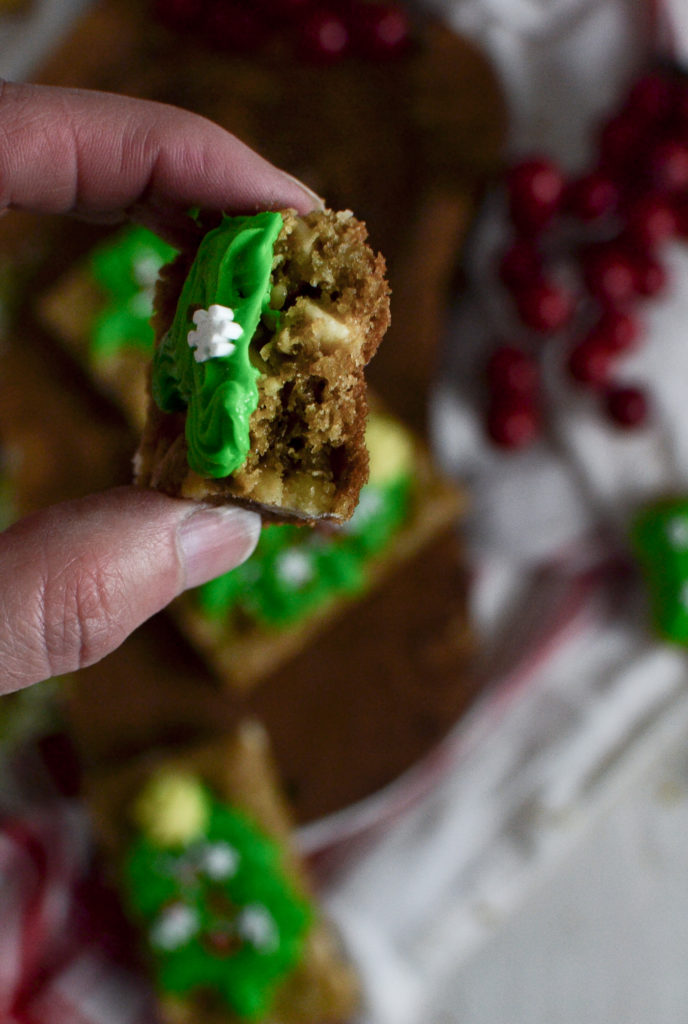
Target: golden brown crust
(307,460)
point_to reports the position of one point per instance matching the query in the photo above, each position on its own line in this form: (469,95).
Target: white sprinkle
(215,332)
(294,568)
(257,926)
(146,270)
(174,927)
(677,532)
(219,861)
(369,506)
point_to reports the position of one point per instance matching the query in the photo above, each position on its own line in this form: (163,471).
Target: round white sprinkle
(677,532)
(369,506)
(219,861)
(174,927)
(256,925)
(215,332)
(294,568)
(146,270)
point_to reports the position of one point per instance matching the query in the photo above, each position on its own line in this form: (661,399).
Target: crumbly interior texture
(307,459)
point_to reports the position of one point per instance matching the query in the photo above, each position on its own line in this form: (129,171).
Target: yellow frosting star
(172,808)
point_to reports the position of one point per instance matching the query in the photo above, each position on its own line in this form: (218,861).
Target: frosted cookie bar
(229,928)
(257,386)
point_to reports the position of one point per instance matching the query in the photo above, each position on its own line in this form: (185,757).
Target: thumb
(77,578)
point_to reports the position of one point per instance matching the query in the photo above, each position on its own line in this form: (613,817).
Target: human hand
(77,578)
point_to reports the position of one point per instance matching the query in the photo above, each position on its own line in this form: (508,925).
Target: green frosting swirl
(232,268)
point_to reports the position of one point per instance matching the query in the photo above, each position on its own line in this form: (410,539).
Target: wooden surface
(385,682)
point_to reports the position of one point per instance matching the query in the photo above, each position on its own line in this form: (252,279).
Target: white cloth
(587,691)
(533,768)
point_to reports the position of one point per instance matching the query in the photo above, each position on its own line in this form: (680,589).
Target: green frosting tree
(222,919)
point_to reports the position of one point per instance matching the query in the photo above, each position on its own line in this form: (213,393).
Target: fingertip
(312,201)
(215,540)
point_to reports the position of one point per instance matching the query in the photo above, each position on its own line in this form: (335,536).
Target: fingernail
(214,540)
(317,201)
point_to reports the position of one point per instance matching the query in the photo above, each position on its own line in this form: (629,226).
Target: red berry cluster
(322,32)
(584,253)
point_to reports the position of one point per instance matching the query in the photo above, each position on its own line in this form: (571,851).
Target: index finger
(105,156)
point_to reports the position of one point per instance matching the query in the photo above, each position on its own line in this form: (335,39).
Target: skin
(77,578)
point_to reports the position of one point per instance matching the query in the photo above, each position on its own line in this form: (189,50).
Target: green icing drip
(294,571)
(232,268)
(218,958)
(659,536)
(126,268)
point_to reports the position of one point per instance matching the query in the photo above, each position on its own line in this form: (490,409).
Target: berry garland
(322,33)
(607,228)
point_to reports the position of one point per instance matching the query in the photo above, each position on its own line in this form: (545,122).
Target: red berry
(616,330)
(544,307)
(651,98)
(650,221)
(609,274)
(179,15)
(324,37)
(626,406)
(650,277)
(535,188)
(512,371)
(593,196)
(668,166)
(513,422)
(589,363)
(233,27)
(379,30)
(520,264)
